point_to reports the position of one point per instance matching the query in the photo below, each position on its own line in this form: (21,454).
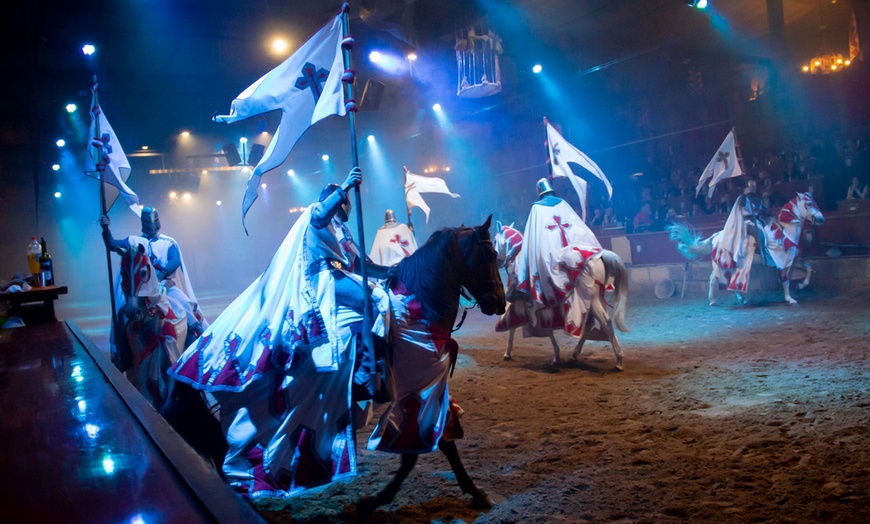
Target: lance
(101,158)
(351,107)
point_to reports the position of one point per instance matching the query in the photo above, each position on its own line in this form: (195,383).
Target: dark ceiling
(165,65)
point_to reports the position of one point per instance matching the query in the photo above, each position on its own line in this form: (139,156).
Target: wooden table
(35,306)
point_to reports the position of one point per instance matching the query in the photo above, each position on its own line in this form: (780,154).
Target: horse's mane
(429,274)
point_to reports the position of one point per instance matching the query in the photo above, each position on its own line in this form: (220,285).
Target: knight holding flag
(281,357)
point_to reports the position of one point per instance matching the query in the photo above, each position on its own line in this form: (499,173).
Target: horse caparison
(607,264)
(156,333)
(452,259)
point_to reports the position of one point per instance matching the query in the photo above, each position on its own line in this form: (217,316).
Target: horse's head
(480,276)
(806,209)
(507,243)
(138,279)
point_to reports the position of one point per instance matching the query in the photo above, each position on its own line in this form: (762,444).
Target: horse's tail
(689,243)
(614,271)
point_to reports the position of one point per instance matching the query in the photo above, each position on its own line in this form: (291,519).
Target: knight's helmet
(389,217)
(544,188)
(150,221)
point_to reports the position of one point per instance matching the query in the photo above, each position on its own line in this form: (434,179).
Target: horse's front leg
(510,347)
(368,505)
(786,284)
(579,347)
(556,359)
(480,499)
(711,286)
(806,281)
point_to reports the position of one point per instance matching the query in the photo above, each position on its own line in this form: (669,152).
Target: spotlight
(536,68)
(185,134)
(57,194)
(375,56)
(60,142)
(436,107)
(173,195)
(412,57)
(698,4)
(263,185)
(243,140)
(89,49)
(55,167)
(186,196)
(325,158)
(71,108)
(279,46)
(291,172)
(218,203)
(371,138)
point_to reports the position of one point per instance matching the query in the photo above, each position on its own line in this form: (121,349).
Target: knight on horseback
(281,358)
(169,268)
(752,216)
(734,247)
(559,276)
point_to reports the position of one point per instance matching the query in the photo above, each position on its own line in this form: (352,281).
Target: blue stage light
(537,68)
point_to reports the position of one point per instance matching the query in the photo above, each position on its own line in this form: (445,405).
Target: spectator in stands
(643,218)
(856,192)
(670,218)
(597,217)
(609,218)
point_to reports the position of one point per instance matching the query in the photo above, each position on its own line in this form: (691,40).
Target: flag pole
(100,162)
(350,104)
(407,208)
(547,146)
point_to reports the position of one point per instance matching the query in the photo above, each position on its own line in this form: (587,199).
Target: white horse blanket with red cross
(544,296)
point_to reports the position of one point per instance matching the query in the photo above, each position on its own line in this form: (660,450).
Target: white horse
(602,272)
(781,238)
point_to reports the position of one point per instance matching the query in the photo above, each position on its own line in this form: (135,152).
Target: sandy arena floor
(725,414)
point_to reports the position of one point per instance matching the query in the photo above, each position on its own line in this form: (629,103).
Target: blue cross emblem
(106,142)
(313,79)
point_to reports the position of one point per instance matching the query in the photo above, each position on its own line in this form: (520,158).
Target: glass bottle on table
(34,251)
(45,266)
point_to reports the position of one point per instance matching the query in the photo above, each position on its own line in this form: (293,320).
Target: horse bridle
(464,291)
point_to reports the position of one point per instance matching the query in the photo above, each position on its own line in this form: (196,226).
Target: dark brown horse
(428,285)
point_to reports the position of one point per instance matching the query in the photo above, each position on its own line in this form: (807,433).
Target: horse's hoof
(507,358)
(482,501)
(792,302)
(618,367)
(713,303)
(367,506)
(802,285)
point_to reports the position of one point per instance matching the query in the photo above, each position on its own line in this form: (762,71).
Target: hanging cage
(477,54)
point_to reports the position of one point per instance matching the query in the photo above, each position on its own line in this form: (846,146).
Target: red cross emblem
(562,228)
(402,244)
